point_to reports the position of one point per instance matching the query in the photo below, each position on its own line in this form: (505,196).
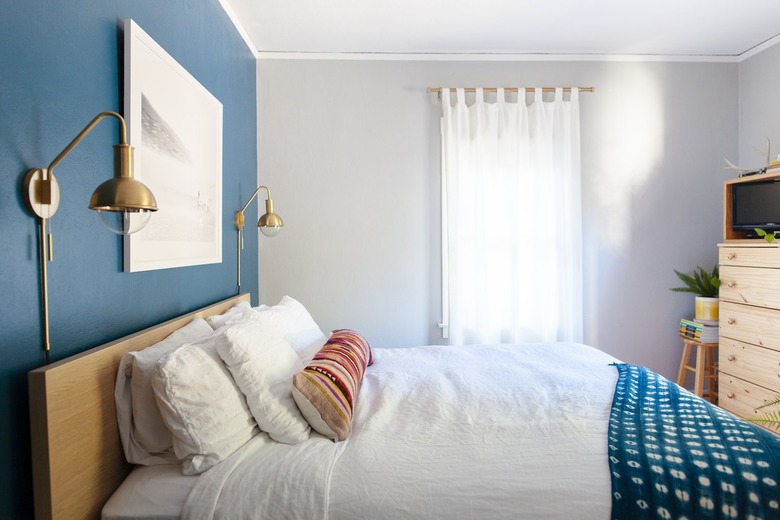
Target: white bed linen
(264,479)
(150,492)
(441,432)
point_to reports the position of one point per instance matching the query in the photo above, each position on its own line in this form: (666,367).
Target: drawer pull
(731,256)
(732,284)
(730,395)
(731,357)
(731,321)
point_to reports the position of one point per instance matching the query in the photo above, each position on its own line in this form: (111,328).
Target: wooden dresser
(749,353)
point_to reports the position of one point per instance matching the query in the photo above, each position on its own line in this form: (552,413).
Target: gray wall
(351,152)
(759,110)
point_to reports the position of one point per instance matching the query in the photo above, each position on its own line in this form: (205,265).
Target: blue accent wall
(60,65)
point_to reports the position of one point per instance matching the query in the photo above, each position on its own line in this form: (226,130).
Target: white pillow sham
(291,319)
(201,406)
(263,364)
(145,438)
(235,311)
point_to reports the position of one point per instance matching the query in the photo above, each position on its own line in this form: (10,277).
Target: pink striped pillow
(326,390)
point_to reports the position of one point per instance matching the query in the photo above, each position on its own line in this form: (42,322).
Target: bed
(483,431)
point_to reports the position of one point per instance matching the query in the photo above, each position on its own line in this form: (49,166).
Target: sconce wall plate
(34,186)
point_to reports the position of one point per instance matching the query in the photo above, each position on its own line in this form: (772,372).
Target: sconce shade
(123,203)
(123,194)
(270,223)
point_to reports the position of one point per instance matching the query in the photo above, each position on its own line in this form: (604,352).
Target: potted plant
(705,285)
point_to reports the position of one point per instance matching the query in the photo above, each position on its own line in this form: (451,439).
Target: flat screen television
(755,205)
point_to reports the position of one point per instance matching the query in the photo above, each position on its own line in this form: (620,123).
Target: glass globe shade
(270,231)
(124,222)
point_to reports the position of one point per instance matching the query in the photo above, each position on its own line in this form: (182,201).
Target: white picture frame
(175,125)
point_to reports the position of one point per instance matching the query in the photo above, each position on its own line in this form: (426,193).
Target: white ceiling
(650,27)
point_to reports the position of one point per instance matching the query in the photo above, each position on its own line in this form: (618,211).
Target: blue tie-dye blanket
(674,455)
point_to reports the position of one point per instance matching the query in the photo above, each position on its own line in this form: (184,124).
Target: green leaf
(769,237)
(701,282)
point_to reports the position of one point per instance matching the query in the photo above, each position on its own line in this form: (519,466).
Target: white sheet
(267,479)
(441,432)
(150,492)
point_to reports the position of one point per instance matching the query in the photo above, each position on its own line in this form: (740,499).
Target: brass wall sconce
(270,224)
(122,203)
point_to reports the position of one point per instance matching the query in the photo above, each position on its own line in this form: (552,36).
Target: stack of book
(703,331)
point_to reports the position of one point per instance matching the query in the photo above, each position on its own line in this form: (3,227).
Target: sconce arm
(240,214)
(255,195)
(83,133)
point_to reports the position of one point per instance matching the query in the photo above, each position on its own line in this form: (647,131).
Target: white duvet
(482,432)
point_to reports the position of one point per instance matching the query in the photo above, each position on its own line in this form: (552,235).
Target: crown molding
(379,56)
(239,27)
(771,42)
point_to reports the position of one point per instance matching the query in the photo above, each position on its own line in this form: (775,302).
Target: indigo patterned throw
(673,455)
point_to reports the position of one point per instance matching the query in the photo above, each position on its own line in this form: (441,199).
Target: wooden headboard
(78,461)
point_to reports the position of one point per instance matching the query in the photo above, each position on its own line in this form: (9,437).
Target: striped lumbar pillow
(326,390)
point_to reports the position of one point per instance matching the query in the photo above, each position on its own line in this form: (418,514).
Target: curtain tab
(461,95)
(558,94)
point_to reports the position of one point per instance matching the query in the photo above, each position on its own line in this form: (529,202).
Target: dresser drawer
(740,397)
(755,364)
(751,285)
(764,256)
(750,324)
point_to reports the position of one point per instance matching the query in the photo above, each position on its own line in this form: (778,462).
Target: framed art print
(175,125)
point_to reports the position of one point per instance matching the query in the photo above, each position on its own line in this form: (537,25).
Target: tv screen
(756,205)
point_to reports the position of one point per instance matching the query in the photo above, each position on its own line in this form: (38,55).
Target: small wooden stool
(704,369)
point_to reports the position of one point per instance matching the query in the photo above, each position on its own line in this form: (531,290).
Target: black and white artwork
(175,125)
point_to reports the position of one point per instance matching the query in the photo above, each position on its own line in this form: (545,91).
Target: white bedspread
(441,432)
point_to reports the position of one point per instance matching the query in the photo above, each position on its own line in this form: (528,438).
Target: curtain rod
(513,89)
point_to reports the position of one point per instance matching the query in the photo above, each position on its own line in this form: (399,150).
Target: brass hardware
(51,244)
(269,223)
(731,256)
(732,284)
(123,192)
(121,195)
(731,357)
(270,220)
(42,198)
(731,321)
(730,395)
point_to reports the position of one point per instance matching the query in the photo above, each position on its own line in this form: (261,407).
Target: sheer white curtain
(511,218)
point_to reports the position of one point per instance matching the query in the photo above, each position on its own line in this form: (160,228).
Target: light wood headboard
(78,461)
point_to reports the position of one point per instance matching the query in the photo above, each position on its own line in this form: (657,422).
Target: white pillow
(145,438)
(263,365)
(291,319)
(201,405)
(234,312)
